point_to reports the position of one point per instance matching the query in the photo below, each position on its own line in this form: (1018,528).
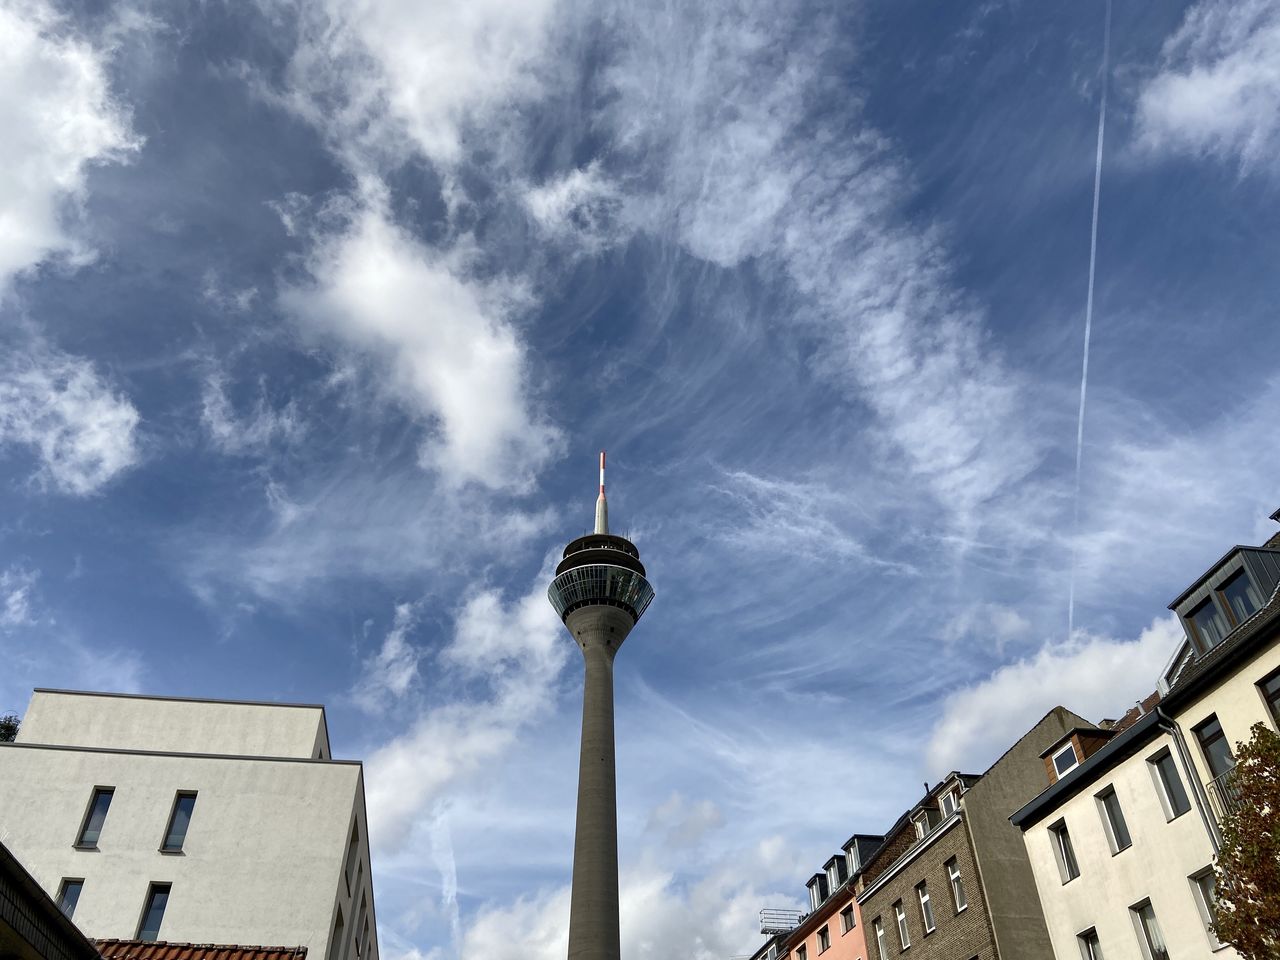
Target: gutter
(1167,723)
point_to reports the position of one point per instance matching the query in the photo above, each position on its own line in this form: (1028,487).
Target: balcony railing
(1224,795)
(779,921)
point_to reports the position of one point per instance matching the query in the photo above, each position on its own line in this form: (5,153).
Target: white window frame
(922,825)
(952,799)
(824,939)
(878,925)
(802,952)
(926,908)
(1075,759)
(957,886)
(904,935)
(1204,905)
(1139,928)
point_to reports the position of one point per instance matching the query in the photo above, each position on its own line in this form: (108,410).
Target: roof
(1091,729)
(1198,581)
(161,950)
(1197,673)
(1136,712)
(34,917)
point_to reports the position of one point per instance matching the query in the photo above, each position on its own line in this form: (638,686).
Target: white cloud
(83,430)
(16,587)
(390,674)
(684,823)
(516,652)
(456,360)
(58,118)
(985,622)
(1092,676)
(257,430)
(583,206)
(1217,92)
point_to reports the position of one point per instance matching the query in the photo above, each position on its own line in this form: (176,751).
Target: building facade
(152,818)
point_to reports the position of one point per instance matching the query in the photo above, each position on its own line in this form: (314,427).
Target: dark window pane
(1271,693)
(1210,624)
(178,823)
(70,896)
(1115,816)
(98,808)
(157,899)
(1066,855)
(1216,749)
(1172,783)
(1240,595)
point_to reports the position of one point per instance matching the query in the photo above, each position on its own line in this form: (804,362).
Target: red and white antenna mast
(602,505)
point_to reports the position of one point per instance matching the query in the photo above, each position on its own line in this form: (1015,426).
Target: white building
(1123,842)
(201,821)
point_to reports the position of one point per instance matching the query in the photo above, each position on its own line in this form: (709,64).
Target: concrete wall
(1010,888)
(187,726)
(262,862)
(1157,865)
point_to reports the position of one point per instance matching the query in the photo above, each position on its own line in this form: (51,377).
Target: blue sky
(314,315)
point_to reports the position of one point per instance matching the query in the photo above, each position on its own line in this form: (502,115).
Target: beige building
(1122,843)
(200,821)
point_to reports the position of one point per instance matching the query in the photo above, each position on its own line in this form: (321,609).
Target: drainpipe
(1166,723)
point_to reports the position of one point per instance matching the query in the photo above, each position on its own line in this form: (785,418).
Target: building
(32,927)
(204,821)
(952,880)
(600,592)
(1122,842)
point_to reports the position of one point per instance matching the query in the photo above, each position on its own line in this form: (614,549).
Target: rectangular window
(1214,746)
(1270,689)
(335,947)
(1240,597)
(179,820)
(901,915)
(926,908)
(1063,852)
(950,802)
(1169,785)
(802,952)
(1209,624)
(957,885)
(1064,761)
(846,919)
(364,937)
(1202,888)
(824,940)
(153,913)
(1113,820)
(353,856)
(69,894)
(1090,948)
(95,816)
(360,920)
(878,927)
(1148,930)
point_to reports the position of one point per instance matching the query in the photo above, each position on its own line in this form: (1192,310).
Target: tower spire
(602,505)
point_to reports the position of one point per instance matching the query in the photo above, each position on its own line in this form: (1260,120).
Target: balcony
(1224,795)
(779,921)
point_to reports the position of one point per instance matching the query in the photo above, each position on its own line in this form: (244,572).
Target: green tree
(1247,914)
(9,724)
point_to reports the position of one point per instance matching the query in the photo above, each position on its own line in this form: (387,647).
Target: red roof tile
(161,950)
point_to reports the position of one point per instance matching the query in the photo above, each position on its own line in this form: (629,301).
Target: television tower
(600,593)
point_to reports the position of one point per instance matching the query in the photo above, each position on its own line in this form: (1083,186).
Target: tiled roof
(1136,713)
(160,950)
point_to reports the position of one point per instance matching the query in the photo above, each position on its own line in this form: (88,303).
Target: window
(1270,689)
(364,937)
(1213,743)
(846,919)
(183,804)
(1208,624)
(1169,784)
(353,855)
(153,914)
(1202,888)
(1149,936)
(360,922)
(950,802)
(802,952)
(1064,760)
(1062,850)
(903,937)
(957,885)
(926,908)
(1090,948)
(335,946)
(69,895)
(824,940)
(1113,820)
(878,927)
(1240,597)
(99,804)
(922,825)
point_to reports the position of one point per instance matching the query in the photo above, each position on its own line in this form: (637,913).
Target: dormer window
(855,864)
(950,802)
(922,825)
(1065,760)
(1209,624)
(1240,596)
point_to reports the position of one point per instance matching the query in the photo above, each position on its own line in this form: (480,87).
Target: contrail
(1088,320)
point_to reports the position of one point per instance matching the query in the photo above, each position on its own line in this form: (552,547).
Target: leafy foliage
(1247,914)
(9,724)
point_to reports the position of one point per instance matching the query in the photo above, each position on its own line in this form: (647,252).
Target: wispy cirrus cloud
(391,673)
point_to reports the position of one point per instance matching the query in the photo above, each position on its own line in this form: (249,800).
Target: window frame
(173,815)
(851,922)
(1087,940)
(824,938)
(1198,731)
(353,856)
(1270,704)
(97,790)
(878,926)
(1211,601)
(1109,822)
(904,935)
(802,952)
(1221,590)
(152,890)
(67,882)
(952,795)
(1171,812)
(926,907)
(1064,851)
(1075,758)
(1144,934)
(1204,903)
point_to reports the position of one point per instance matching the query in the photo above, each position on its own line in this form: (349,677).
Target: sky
(314,316)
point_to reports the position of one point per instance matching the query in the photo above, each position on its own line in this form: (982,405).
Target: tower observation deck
(600,592)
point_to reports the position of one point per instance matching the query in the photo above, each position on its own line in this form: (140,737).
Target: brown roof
(1136,713)
(160,950)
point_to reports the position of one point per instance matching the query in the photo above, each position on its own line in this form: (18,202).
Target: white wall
(169,725)
(263,859)
(1163,855)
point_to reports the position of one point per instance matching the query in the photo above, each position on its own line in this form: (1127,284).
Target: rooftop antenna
(602,505)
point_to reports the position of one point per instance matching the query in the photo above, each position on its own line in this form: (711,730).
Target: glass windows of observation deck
(1240,596)
(1209,624)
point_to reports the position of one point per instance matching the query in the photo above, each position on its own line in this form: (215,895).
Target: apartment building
(201,821)
(1122,842)
(31,925)
(952,880)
